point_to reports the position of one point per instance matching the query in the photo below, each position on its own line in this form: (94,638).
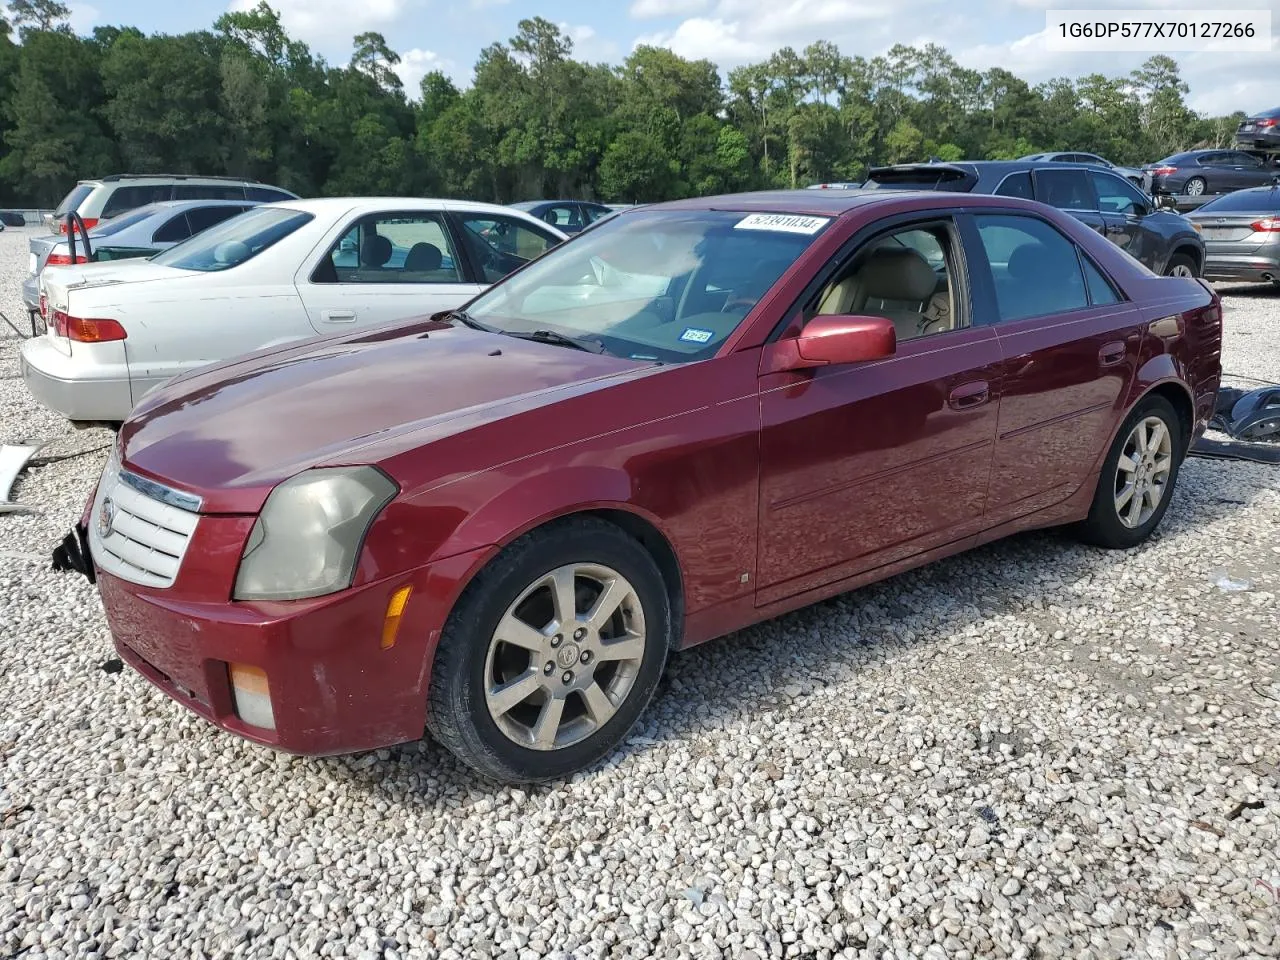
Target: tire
(1194,187)
(1116,527)
(477,706)
(1181,265)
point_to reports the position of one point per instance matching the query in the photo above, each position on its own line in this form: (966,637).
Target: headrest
(898,274)
(375,251)
(423,258)
(1024,262)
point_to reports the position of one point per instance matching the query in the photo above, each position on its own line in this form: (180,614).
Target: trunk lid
(1229,227)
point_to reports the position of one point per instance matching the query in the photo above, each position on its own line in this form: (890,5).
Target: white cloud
(587,44)
(981,35)
(654,9)
(83,17)
(326,22)
(417,63)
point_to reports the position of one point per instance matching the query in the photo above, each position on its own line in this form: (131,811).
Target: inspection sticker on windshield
(783,222)
(694,335)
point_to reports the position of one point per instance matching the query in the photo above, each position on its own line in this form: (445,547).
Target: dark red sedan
(497,524)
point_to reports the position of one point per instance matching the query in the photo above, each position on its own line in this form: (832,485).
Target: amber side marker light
(391,625)
(251,694)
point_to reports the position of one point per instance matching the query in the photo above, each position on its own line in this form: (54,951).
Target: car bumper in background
(67,388)
(1252,269)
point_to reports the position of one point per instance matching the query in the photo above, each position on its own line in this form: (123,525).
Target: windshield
(1245,201)
(116,224)
(234,241)
(660,285)
(73,199)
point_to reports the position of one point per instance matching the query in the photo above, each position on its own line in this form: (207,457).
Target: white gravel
(1034,750)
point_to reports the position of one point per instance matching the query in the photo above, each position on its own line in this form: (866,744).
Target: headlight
(307,539)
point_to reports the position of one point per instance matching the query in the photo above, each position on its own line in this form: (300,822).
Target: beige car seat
(894,276)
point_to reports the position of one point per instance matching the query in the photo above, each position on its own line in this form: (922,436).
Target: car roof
(821,203)
(373,204)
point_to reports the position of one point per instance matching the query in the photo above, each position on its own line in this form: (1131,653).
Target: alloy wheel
(564,657)
(1143,471)
(1181,270)
(1195,187)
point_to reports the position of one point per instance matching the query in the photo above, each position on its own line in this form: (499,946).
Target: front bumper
(332,688)
(53,379)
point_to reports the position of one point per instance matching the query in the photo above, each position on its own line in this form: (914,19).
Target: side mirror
(833,338)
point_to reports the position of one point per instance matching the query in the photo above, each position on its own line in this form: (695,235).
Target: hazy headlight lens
(307,538)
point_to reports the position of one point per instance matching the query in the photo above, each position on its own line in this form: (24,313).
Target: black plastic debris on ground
(114,665)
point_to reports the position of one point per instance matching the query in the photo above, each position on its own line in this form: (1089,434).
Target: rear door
(1069,342)
(384,267)
(1248,171)
(1072,192)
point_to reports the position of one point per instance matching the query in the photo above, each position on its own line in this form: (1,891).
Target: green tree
(39,15)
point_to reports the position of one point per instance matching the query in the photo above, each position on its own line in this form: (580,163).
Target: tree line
(246,99)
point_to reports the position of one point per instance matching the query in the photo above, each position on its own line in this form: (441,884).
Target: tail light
(63,260)
(86,331)
(44,306)
(1268,122)
(1164,171)
(89,224)
(1266,225)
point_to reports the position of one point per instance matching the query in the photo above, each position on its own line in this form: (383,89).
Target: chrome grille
(133,533)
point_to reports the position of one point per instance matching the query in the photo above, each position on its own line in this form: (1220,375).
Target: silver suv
(107,197)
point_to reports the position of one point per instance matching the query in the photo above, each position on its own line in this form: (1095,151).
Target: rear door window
(131,197)
(209,191)
(266,194)
(202,218)
(392,248)
(1065,189)
(1035,268)
(173,231)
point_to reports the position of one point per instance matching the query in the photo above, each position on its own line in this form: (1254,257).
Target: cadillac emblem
(106,517)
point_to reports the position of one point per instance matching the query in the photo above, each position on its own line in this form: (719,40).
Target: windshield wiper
(561,339)
(467,320)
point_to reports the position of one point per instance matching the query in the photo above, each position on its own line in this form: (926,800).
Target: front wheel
(1138,477)
(1181,265)
(551,654)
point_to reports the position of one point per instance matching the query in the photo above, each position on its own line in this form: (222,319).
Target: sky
(448,34)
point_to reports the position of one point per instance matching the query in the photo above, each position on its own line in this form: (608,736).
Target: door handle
(969,395)
(338,316)
(1112,353)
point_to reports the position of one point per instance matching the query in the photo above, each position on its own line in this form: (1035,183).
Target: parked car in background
(569,216)
(275,274)
(502,522)
(119,193)
(1198,172)
(139,233)
(1260,131)
(1132,174)
(1164,242)
(1241,233)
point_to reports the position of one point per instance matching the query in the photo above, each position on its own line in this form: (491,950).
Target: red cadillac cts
(497,524)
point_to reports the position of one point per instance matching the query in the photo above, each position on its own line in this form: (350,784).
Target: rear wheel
(1138,477)
(1194,187)
(1181,265)
(552,653)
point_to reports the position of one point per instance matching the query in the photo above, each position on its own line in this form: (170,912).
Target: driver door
(866,464)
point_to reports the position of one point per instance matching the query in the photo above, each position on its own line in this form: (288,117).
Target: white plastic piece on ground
(1228,584)
(13,458)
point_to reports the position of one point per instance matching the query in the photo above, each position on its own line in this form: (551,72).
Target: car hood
(58,283)
(231,432)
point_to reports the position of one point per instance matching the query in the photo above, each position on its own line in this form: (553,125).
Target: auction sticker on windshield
(784,222)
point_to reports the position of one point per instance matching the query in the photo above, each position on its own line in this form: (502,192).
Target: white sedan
(280,272)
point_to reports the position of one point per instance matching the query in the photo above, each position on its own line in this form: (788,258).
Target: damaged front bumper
(73,553)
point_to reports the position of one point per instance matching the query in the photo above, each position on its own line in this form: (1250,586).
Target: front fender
(496,510)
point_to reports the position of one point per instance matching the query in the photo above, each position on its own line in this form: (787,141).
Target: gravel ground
(1033,750)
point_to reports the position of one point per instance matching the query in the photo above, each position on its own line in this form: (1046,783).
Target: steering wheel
(731,303)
